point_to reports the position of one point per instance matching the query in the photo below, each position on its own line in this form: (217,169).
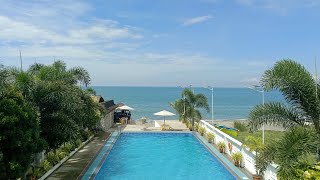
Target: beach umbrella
(164,113)
(125,107)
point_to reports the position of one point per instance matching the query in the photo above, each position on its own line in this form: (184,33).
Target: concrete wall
(107,121)
(248,157)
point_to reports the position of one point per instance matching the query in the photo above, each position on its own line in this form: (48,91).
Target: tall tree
(19,135)
(300,116)
(191,105)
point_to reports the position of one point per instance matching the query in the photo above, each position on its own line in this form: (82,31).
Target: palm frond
(81,75)
(276,114)
(202,102)
(296,84)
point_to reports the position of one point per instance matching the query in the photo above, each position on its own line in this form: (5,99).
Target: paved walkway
(75,166)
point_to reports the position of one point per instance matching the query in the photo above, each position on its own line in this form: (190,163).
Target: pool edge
(100,157)
(224,161)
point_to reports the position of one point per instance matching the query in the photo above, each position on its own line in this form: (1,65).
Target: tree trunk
(192,124)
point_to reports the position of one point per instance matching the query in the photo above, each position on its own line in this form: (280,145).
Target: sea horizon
(228,103)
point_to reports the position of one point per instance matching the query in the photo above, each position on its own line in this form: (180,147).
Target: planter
(256,177)
(221,150)
(237,163)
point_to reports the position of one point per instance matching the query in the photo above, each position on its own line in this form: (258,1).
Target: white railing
(248,157)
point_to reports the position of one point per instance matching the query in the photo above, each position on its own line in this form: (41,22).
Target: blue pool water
(161,156)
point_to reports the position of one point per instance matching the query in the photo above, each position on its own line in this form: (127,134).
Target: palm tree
(300,91)
(294,152)
(194,102)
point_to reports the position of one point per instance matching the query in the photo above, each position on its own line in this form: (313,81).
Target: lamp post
(184,102)
(255,88)
(211,88)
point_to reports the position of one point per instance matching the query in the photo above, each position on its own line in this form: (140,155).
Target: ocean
(228,103)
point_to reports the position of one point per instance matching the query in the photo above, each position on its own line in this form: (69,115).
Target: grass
(269,135)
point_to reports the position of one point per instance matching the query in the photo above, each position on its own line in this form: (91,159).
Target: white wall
(248,157)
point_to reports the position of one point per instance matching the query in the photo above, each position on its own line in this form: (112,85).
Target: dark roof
(98,98)
(109,105)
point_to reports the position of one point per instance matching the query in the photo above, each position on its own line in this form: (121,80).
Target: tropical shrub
(190,126)
(61,154)
(255,145)
(19,133)
(67,148)
(196,126)
(210,137)
(237,158)
(52,158)
(241,126)
(44,166)
(221,145)
(78,143)
(202,130)
(301,92)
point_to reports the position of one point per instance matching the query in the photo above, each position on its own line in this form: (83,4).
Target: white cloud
(98,32)
(251,81)
(197,20)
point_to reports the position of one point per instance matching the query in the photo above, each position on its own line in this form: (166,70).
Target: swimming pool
(161,156)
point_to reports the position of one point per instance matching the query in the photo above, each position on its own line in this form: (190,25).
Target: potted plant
(201,130)
(196,126)
(221,145)
(255,145)
(237,158)
(210,137)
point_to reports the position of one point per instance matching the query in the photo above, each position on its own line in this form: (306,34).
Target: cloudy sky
(223,43)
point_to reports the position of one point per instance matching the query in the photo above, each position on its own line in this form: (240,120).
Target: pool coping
(95,166)
(226,162)
(100,157)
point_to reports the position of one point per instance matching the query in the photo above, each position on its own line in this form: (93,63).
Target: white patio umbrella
(125,107)
(164,113)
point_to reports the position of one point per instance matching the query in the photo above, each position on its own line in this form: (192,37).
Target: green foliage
(52,158)
(201,130)
(295,150)
(188,107)
(210,137)
(237,157)
(241,126)
(61,154)
(300,91)
(196,127)
(19,134)
(253,143)
(221,145)
(45,102)
(43,168)
(67,148)
(78,143)
(230,132)
(311,173)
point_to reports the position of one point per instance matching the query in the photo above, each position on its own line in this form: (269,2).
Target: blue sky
(223,43)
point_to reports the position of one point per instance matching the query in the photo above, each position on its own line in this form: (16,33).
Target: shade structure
(125,107)
(164,113)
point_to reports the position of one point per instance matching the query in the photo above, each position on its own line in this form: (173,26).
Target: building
(108,120)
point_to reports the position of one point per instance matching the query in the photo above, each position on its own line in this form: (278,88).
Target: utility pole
(20,61)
